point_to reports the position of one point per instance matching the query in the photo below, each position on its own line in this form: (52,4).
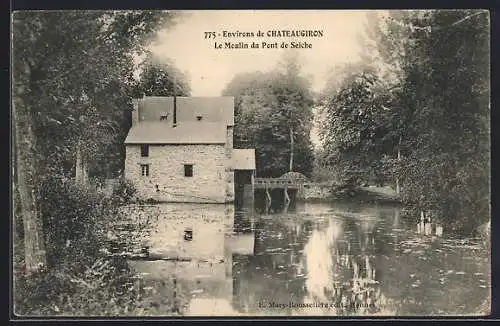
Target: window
(188,234)
(144,150)
(188,170)
(145,170)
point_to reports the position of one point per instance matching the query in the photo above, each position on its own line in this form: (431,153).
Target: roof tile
(212,109)
(162,132)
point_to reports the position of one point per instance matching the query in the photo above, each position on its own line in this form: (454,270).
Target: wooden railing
(277,183)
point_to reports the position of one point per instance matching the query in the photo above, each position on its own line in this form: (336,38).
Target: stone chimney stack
(174,118)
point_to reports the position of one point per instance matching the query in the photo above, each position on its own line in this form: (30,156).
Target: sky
(210,69)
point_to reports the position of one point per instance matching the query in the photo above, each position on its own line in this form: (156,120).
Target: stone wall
(166,181)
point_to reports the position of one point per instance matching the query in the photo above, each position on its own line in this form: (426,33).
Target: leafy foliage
(123,192)
(73,81)
(357,130)
(79,81)
(448,150)
(269,107)
(78,218)
(161,79)
(434,111)
(81,227)
(105,288)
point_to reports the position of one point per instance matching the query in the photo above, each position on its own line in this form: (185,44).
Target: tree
(448,78)
(26,181)
(431,115)
(356,132)
(273,115)
(72,73)
(161,79)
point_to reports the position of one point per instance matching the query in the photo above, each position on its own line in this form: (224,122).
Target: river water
(316,259)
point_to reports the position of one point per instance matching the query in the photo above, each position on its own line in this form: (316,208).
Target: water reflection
(313,259)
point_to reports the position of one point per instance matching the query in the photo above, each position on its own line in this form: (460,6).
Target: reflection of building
(180,149)
(199,270)
(303,260)
(207,224)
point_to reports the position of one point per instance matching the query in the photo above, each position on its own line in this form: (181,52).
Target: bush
(456,192)
(76,220)
(81,279)
(107,288)
(123,191)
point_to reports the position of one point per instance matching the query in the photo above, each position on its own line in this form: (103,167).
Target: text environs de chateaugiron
(277,33)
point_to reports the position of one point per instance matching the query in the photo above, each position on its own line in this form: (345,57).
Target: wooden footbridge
(290,181)
(277,183)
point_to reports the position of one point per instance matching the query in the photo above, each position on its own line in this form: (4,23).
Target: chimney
(174,118)
(135,111)
(175,112)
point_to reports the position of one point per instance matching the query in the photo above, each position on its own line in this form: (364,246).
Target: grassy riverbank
(369,194)
(107,288)
(374,194)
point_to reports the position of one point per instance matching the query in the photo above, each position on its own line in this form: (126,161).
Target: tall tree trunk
(291,150)
(398,190)
(81,168)
(17,246)
(24,146)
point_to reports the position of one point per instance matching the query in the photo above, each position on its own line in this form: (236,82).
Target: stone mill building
(180,149)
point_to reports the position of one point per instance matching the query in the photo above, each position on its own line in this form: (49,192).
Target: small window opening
(144,150)
(188,234)
(145,170)
(188,170)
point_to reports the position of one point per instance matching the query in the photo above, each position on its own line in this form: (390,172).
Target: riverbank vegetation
(418,116)
(73,84)
(273,114)
(80,277)
(412,113)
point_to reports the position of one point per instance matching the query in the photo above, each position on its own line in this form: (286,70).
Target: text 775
(209,35)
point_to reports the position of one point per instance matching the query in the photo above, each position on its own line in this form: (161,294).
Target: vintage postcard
(251,163)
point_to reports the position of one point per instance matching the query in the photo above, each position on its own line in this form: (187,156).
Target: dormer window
(164,116)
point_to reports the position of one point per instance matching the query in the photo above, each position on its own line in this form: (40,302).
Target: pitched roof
(243,159)
(162,132)
(212,109)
